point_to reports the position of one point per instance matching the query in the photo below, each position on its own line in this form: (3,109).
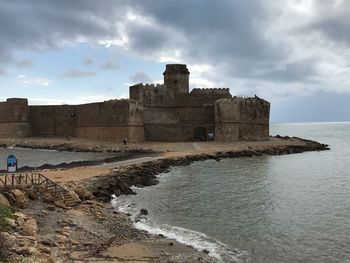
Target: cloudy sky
(294,53)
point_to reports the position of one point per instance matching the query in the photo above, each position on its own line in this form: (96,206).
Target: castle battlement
(211,91)
(154,112)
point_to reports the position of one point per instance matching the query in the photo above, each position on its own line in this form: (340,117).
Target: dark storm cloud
(332,20)
(38,25)
(302,70)
(217,29)
(231,35)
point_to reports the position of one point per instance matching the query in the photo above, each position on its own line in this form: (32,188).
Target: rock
(51,208)
(20,218)
(82,193)
(49,242)
(30,228)
(60,204)
(4,201)
(21,199)
(11,222)
(143,212)
(47,197)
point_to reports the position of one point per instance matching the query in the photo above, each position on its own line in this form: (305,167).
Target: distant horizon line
(308,122)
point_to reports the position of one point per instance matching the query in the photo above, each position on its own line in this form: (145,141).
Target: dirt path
(83,173)
(169,150)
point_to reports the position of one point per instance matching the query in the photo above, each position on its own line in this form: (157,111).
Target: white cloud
(72,101)
(25,80)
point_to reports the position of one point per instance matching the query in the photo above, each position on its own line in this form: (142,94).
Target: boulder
(143,211)
(29,228)
(4,201)
(47,197)
(21,199)
(11,222)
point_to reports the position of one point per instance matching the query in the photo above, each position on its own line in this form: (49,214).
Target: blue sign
(12,163)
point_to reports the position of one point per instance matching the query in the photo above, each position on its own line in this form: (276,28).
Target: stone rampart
(211,92)
(162,112)
(53,120)
(240,119)
(109,120)
(15,118)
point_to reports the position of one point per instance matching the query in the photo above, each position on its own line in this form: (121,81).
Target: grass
(5,212)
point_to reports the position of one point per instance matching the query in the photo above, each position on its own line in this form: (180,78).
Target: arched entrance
(200,134)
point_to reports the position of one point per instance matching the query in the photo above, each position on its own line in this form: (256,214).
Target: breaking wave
(197,240)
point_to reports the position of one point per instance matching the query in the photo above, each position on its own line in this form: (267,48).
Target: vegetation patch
(5,212)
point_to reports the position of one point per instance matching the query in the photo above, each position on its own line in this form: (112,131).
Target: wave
(197,240)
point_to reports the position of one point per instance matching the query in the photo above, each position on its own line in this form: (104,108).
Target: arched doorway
(200,134)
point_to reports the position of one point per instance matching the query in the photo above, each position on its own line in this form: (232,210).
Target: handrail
(11,180)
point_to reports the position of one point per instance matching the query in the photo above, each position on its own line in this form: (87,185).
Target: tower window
(175,81)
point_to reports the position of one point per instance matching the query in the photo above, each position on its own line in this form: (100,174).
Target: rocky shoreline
(93,231)
(120,181)
(72,146)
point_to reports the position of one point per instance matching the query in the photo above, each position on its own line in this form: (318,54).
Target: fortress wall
(110,120)
(170,116)
(212,92)
(227,119)
(242,119)
(177,123)
(53,120)
(15,118)
(65,120)
(136,122)
(43,120)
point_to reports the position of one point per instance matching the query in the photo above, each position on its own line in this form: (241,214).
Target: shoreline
(120,180)
(128,243)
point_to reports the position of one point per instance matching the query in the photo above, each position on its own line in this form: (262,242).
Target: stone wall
(240,119)
(172,116)
(176,78)
(110,120)
(15,118)
(53,120)
(166,112)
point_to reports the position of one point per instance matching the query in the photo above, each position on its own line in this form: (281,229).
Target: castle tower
(176,77)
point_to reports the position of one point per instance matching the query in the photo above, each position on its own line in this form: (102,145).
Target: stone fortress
(166,112)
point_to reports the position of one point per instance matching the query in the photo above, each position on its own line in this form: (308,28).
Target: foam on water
(197,240)
(290,208)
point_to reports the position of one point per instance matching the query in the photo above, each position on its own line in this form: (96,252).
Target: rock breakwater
(120,181)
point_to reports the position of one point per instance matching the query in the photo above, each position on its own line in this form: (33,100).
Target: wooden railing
(20,180)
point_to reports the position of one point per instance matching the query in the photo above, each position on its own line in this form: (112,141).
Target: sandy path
(170,150)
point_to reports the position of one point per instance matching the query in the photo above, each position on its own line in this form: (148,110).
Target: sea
(290,208)
(36,157)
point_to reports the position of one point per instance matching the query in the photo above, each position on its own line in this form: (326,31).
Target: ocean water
(291,208)
(35,157)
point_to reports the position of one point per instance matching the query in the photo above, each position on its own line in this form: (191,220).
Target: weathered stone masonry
(167,112)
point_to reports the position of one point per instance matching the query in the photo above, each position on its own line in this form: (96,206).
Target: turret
(176,77)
